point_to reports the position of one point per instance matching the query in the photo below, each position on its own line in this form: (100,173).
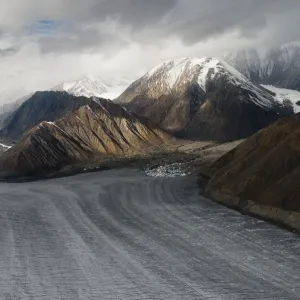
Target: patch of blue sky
(45,27)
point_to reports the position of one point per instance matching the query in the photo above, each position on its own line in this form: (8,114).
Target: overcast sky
(43,42)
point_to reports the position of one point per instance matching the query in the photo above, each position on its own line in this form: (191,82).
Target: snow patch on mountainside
(211,66)
(4,148)
(285,94)
(92,87)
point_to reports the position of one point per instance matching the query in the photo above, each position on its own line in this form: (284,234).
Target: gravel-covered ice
(172,170)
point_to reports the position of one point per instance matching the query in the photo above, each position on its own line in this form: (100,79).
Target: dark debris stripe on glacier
(124,235)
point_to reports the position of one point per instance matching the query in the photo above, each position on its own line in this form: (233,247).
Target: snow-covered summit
(89,86)
(185,69)
(172,75)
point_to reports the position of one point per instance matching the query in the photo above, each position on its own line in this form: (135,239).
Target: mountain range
(191,98)
(98,129)
(87,86)
(29,111)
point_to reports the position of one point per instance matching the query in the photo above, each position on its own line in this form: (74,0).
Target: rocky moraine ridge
(260,176)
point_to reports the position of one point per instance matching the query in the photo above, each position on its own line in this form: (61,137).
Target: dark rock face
(93,132)
(209,100)
(265,168)
(279,67)
(42,106)
(233,121)
(3,117)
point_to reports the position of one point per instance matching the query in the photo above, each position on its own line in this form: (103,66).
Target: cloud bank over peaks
(45,42)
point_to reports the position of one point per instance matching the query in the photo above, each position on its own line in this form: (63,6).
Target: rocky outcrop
(93,132)
(202,99)
(42,106)
(261,175)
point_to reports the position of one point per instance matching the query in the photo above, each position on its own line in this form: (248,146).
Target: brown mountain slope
(264,169)
(93,132)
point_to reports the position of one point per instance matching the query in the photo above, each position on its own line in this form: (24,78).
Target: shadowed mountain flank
(42,106)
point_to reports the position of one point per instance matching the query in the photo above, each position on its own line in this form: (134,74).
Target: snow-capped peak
(192,68)
(86,86)
(187,68)
(89,86)
(172,75)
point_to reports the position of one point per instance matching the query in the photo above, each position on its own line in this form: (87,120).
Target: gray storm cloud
(248,17)
(190,21)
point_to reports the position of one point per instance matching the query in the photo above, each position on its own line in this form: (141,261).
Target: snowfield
(285,94)
(4,148)
(124,235)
